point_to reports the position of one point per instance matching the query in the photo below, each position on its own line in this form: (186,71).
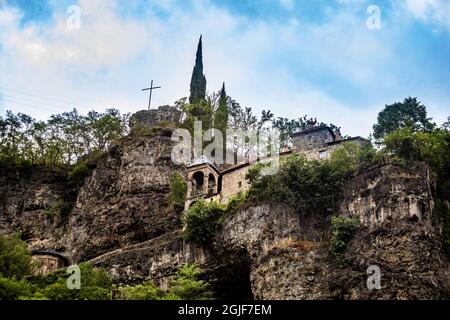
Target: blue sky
(293,57)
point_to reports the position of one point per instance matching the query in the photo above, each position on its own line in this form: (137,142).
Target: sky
(328,59)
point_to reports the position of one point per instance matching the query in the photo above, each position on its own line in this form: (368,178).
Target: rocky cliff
(121,220)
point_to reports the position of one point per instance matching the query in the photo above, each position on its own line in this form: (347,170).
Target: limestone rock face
(288,252)
(124,201)
(155,117)
(399,234)
(155,259)
(25,195)
(122,221)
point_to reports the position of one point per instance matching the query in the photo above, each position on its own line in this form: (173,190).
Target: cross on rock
(151,91)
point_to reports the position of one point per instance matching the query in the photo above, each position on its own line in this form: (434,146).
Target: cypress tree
(198,80)
(221,116)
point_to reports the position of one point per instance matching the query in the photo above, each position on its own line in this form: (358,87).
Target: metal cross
(151,91)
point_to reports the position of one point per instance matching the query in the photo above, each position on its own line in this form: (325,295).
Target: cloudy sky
(293,57)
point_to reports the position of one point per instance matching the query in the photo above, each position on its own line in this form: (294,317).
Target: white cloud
(108,61)
(435,11)
(287,4)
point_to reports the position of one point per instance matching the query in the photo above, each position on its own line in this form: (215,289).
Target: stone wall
(47,264)
(233,183)
(311,139)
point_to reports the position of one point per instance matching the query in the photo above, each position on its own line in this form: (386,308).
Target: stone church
(207,181)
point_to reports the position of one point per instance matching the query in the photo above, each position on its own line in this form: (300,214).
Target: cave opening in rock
(233,279)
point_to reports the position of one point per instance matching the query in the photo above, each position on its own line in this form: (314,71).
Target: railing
(196,193)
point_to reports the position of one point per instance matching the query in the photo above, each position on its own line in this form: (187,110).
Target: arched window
(197,183)
(211,184)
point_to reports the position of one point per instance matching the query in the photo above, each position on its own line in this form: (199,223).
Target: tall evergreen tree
(198,80)
(221,116)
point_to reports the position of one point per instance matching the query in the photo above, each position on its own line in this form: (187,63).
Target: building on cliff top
(205,179)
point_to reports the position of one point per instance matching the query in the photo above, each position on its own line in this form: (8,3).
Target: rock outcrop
(26,196)
(122,221)
(125,200)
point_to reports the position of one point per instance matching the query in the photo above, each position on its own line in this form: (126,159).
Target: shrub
(200,221)
(95,285)
(235,203)
(342,230)
(78,174)
(13,289)
(314,186)
(60,207)
(15,258)
(186,285)
(178,189)
(145,291)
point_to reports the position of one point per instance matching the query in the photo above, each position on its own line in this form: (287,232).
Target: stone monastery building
(207,181)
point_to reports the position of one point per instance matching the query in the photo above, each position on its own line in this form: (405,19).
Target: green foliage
(253,174)
(202,111)
(342,230)
(431,146)
(78,174)
(63,139)
(309,186)
(186,285)
(198,80)
(13,289)
(145,291)
(178,189)
(15,258)
(354,158)
(235,203)
(60,207)
(141,130)
(96,284)
(409,113)
(200,221)
(221,114)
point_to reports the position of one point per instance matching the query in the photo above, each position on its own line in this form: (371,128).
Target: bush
(235,203)
(342,230)
(200,221)
(145,291)
(308,186)
(95,285)
(15,258)
(178,189)
(13,289)
(186,285)
(78,174)
(60,207)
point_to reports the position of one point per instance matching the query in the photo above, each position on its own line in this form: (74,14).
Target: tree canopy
(409,113)
(198,80)
(64,139)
